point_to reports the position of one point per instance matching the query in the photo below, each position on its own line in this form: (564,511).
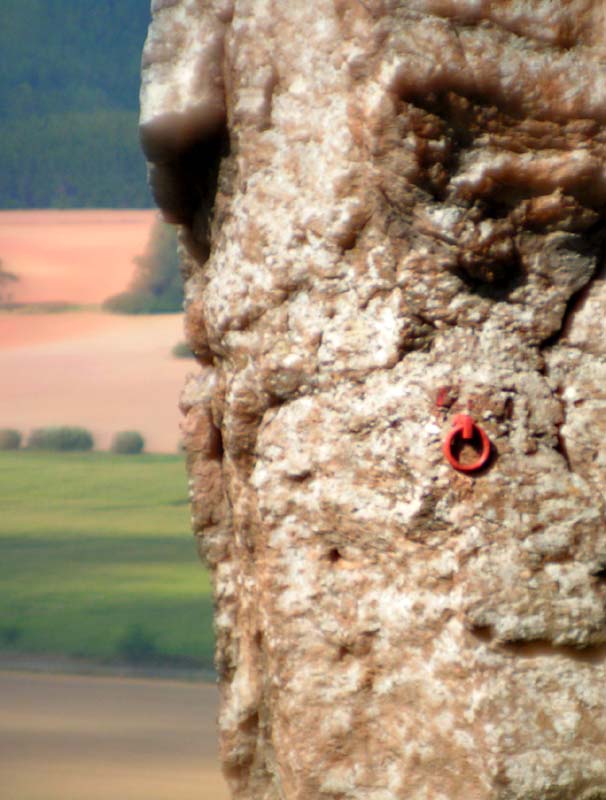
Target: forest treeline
(69,85)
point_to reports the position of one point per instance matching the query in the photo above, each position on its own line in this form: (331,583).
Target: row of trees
(69,439)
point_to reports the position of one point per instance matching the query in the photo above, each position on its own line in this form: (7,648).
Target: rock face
(392,212)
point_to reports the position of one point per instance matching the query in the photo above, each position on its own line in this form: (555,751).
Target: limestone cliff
(392,212)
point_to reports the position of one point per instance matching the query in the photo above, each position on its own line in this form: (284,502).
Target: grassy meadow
(97,560)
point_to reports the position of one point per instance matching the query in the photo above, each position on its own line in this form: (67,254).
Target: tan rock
(393,213)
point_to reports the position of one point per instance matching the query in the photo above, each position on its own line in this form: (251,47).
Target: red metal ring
(465,427)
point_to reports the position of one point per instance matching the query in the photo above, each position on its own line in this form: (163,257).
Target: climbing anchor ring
(465,429)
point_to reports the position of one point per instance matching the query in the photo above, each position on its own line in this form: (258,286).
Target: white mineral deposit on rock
(392,213)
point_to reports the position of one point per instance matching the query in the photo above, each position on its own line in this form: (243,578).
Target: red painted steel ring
(450,440)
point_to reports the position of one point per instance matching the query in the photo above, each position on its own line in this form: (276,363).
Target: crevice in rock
(540,648)
(300,477)
(577,299)
(184,184)
(563,450)
(217,451)
(571,305)
(497,282)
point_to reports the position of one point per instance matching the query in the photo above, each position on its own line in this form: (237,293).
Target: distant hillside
(69,85)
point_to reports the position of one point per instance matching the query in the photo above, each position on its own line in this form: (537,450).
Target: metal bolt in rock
(378,199)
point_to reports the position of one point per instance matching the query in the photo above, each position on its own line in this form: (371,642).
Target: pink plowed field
(76,256)
(102,371)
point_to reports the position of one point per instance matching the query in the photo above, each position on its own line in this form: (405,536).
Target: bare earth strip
(82,738)
(102,371)
(74,256)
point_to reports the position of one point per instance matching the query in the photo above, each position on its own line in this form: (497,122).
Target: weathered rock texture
(383,202)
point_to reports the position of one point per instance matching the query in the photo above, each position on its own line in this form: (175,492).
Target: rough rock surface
(392,211)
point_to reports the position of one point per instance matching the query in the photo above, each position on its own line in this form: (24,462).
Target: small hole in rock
(334,555)
(482,632)
(250,725)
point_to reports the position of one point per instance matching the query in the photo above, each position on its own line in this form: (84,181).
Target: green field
(97,560)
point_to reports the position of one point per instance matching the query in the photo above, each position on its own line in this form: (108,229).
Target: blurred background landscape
(69,86)
(105,610)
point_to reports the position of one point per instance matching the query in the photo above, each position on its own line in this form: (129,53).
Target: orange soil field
(84,738)
(102,371)
(79,256)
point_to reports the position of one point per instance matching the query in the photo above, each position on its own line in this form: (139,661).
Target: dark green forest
(69,87)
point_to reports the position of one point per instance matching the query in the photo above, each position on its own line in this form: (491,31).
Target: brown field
(83,738)
(101,371)
(104,372)
(74,256)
